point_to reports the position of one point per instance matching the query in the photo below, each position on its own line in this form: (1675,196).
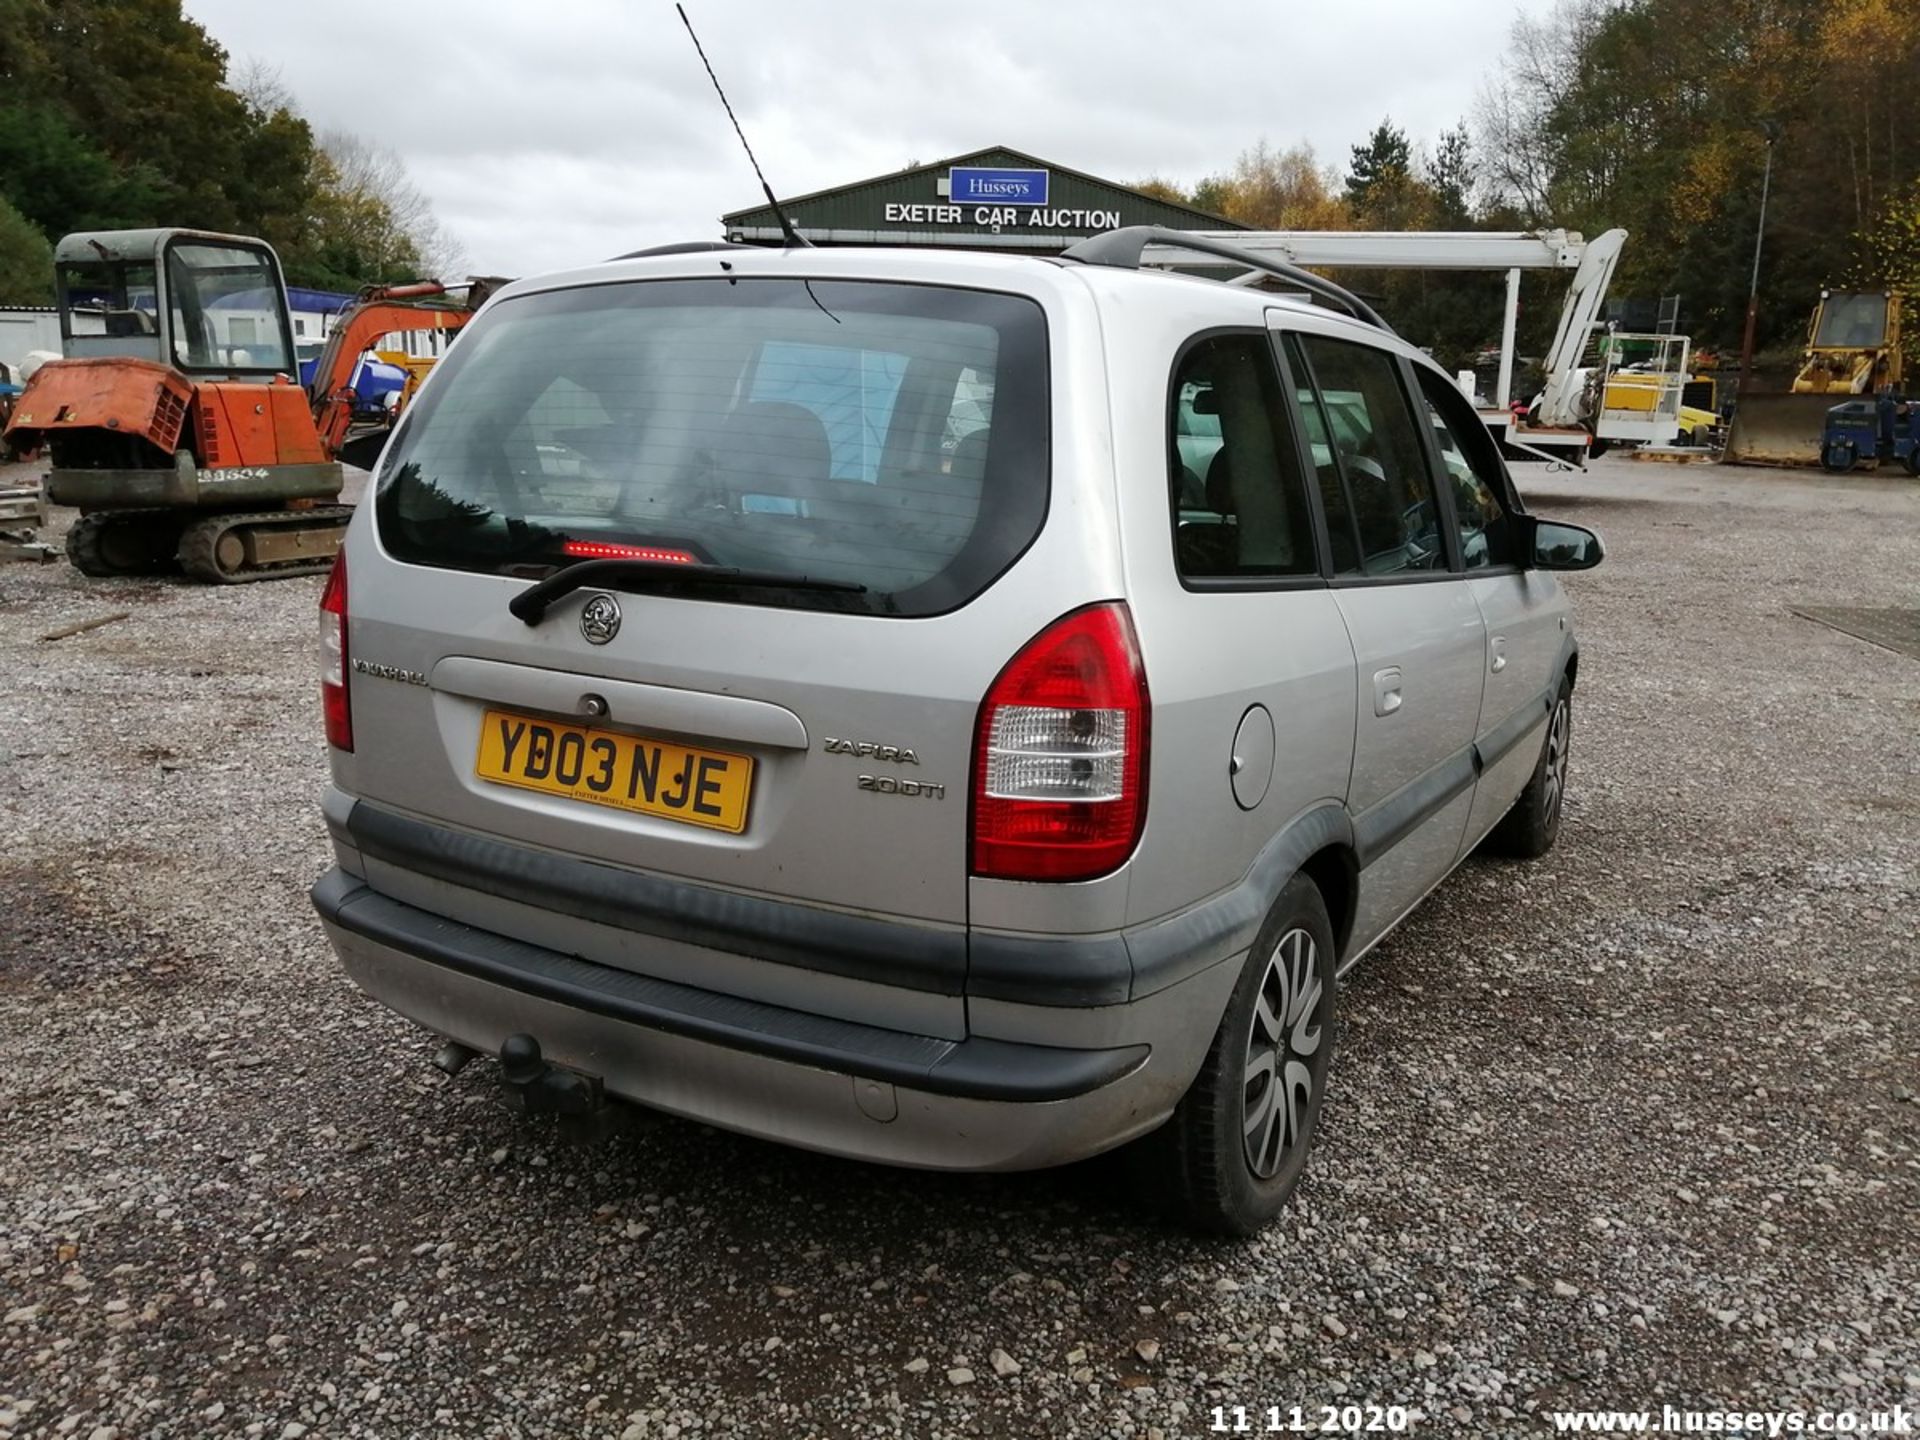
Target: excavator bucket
(1779,429)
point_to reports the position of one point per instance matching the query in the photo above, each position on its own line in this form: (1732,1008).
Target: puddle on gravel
(51,936)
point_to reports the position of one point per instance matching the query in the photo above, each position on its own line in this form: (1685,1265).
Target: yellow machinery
(1652,399)
(1700,422)
(1631,395)
(1853,348)
(416,366)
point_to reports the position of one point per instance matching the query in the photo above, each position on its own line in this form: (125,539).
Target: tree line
(1660,116)
(122,114)
(1657,115)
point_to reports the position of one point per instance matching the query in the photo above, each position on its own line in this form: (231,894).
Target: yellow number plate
(627,772)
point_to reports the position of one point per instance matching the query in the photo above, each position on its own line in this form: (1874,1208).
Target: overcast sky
(554,134)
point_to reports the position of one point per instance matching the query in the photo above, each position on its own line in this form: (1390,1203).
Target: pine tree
(1386,157)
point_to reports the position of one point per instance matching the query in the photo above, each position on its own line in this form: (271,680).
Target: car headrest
(1220,483)
(773,447)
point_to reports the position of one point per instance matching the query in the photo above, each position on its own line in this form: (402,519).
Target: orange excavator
(377,311)
(176,423)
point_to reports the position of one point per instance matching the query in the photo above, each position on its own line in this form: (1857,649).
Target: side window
(1387,489)
(971,411)
(1344,538)
(1472,468)
(966,432)
(1239,505)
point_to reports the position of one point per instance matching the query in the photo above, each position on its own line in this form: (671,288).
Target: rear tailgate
(783,747)
(812,703)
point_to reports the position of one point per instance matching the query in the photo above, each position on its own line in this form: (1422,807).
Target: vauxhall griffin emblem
(600,619)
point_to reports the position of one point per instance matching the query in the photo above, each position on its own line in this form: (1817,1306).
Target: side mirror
(1556,545)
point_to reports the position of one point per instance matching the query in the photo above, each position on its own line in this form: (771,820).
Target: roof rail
(1123,249)
(683,247)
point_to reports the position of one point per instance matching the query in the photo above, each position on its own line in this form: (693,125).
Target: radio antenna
(794,237)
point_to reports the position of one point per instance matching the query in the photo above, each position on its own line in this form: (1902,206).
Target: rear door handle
(1387,697)
(1497,648)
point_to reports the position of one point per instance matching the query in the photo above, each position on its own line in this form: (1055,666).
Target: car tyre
(1528,830)
(1230,1157)
(1838,458)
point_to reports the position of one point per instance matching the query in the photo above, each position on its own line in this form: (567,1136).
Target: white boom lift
(1592,262)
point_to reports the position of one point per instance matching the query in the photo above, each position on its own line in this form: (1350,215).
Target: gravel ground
(1634,1125)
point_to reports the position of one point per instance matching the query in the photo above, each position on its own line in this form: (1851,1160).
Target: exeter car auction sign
(995,217)
(995,198)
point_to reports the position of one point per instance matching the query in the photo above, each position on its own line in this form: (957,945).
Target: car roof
(1210,300)
(878,262)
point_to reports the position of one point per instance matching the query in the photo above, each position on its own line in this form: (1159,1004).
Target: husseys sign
(995,198)
(983,185)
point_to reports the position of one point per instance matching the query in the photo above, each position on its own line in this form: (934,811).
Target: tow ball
(533,1087)
(536,1088)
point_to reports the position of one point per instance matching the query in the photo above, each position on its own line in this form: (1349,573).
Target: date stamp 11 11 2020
(1311,1420)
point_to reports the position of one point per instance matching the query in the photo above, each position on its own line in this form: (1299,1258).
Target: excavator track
(110,543)
(238,548)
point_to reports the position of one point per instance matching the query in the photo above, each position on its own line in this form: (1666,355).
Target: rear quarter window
(892,435)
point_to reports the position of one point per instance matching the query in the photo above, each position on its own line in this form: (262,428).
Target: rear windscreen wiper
(531,604)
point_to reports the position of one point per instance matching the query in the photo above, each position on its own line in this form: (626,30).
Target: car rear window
(891,435)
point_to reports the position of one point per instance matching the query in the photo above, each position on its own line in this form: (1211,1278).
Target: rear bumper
(1114,971)
(781,1074)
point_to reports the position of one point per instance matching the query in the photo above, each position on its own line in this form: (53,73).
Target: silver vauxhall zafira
(952,710)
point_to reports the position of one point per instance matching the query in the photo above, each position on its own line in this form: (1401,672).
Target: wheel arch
(1335,872)
(1317,842)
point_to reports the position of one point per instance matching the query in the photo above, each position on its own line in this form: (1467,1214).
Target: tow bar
(532,1086)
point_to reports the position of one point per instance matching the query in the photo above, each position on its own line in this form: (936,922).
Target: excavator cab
(210,306)
(1850,321)
(176,423)
(1852,345)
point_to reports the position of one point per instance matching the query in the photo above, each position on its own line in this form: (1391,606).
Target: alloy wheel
(1557,747)
(1282,1039)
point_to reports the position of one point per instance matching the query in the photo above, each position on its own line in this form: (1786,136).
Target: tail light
(1060,755)
(334,700)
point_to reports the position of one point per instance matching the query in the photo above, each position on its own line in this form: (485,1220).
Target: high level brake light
(334,700)
(1060,753)
(606,550)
